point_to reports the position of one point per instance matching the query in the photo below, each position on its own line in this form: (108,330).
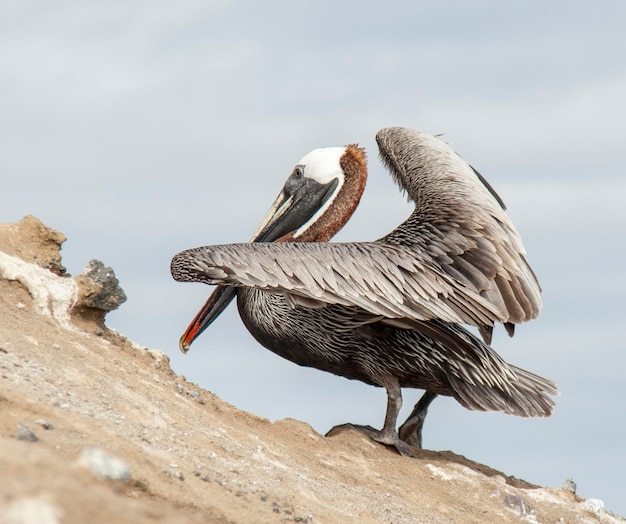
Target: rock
(98,293)
(44,423)
(30,255)
(111,295)
(569,485)
(32,241)
(103,466)
(50,294)
(25,434)
(161,360)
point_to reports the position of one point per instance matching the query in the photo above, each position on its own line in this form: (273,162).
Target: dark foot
(411,431)
(388,438)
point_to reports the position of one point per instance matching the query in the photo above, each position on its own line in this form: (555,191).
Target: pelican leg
(411,431)
(388,435)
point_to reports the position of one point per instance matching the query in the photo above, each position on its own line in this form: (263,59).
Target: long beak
(272,218)
(293,208)
(296,205)
(222,296)
(219,300)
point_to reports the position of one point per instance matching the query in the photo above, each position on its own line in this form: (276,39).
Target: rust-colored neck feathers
(354,165)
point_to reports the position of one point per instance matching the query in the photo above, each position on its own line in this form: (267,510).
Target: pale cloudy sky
(142,128)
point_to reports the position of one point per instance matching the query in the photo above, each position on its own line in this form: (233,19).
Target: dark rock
(44,423)
(26,434)
(111,296)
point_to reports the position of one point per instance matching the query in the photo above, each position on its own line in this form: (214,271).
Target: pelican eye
(298,172)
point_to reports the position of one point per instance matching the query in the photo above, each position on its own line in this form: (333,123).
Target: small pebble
(102,465)
(176,474)
(44,423)
(26,434)
(159,356)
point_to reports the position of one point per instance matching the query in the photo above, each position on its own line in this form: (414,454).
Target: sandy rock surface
(95,428)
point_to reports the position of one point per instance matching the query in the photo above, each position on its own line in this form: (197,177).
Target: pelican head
(318,198)
(316,201)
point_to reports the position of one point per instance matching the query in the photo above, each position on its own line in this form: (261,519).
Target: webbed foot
(411,431)
(388,438)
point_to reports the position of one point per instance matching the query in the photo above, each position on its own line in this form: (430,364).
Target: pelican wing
(388,281)
(459,222)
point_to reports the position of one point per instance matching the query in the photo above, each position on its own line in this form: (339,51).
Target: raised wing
(459,223)
(388,281)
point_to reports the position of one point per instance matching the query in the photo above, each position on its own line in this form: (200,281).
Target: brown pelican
(386,312)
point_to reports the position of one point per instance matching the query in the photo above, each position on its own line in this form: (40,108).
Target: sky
(142,128)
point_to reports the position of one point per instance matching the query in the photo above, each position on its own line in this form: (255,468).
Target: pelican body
(389,312)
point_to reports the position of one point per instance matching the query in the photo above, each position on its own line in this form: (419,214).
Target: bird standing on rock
(386,312)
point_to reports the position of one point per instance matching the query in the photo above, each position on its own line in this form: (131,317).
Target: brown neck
(354,166)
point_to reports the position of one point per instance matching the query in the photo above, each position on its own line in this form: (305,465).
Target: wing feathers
(460,221)
(383,280)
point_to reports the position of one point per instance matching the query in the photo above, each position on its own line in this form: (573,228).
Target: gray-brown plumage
(385,312)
